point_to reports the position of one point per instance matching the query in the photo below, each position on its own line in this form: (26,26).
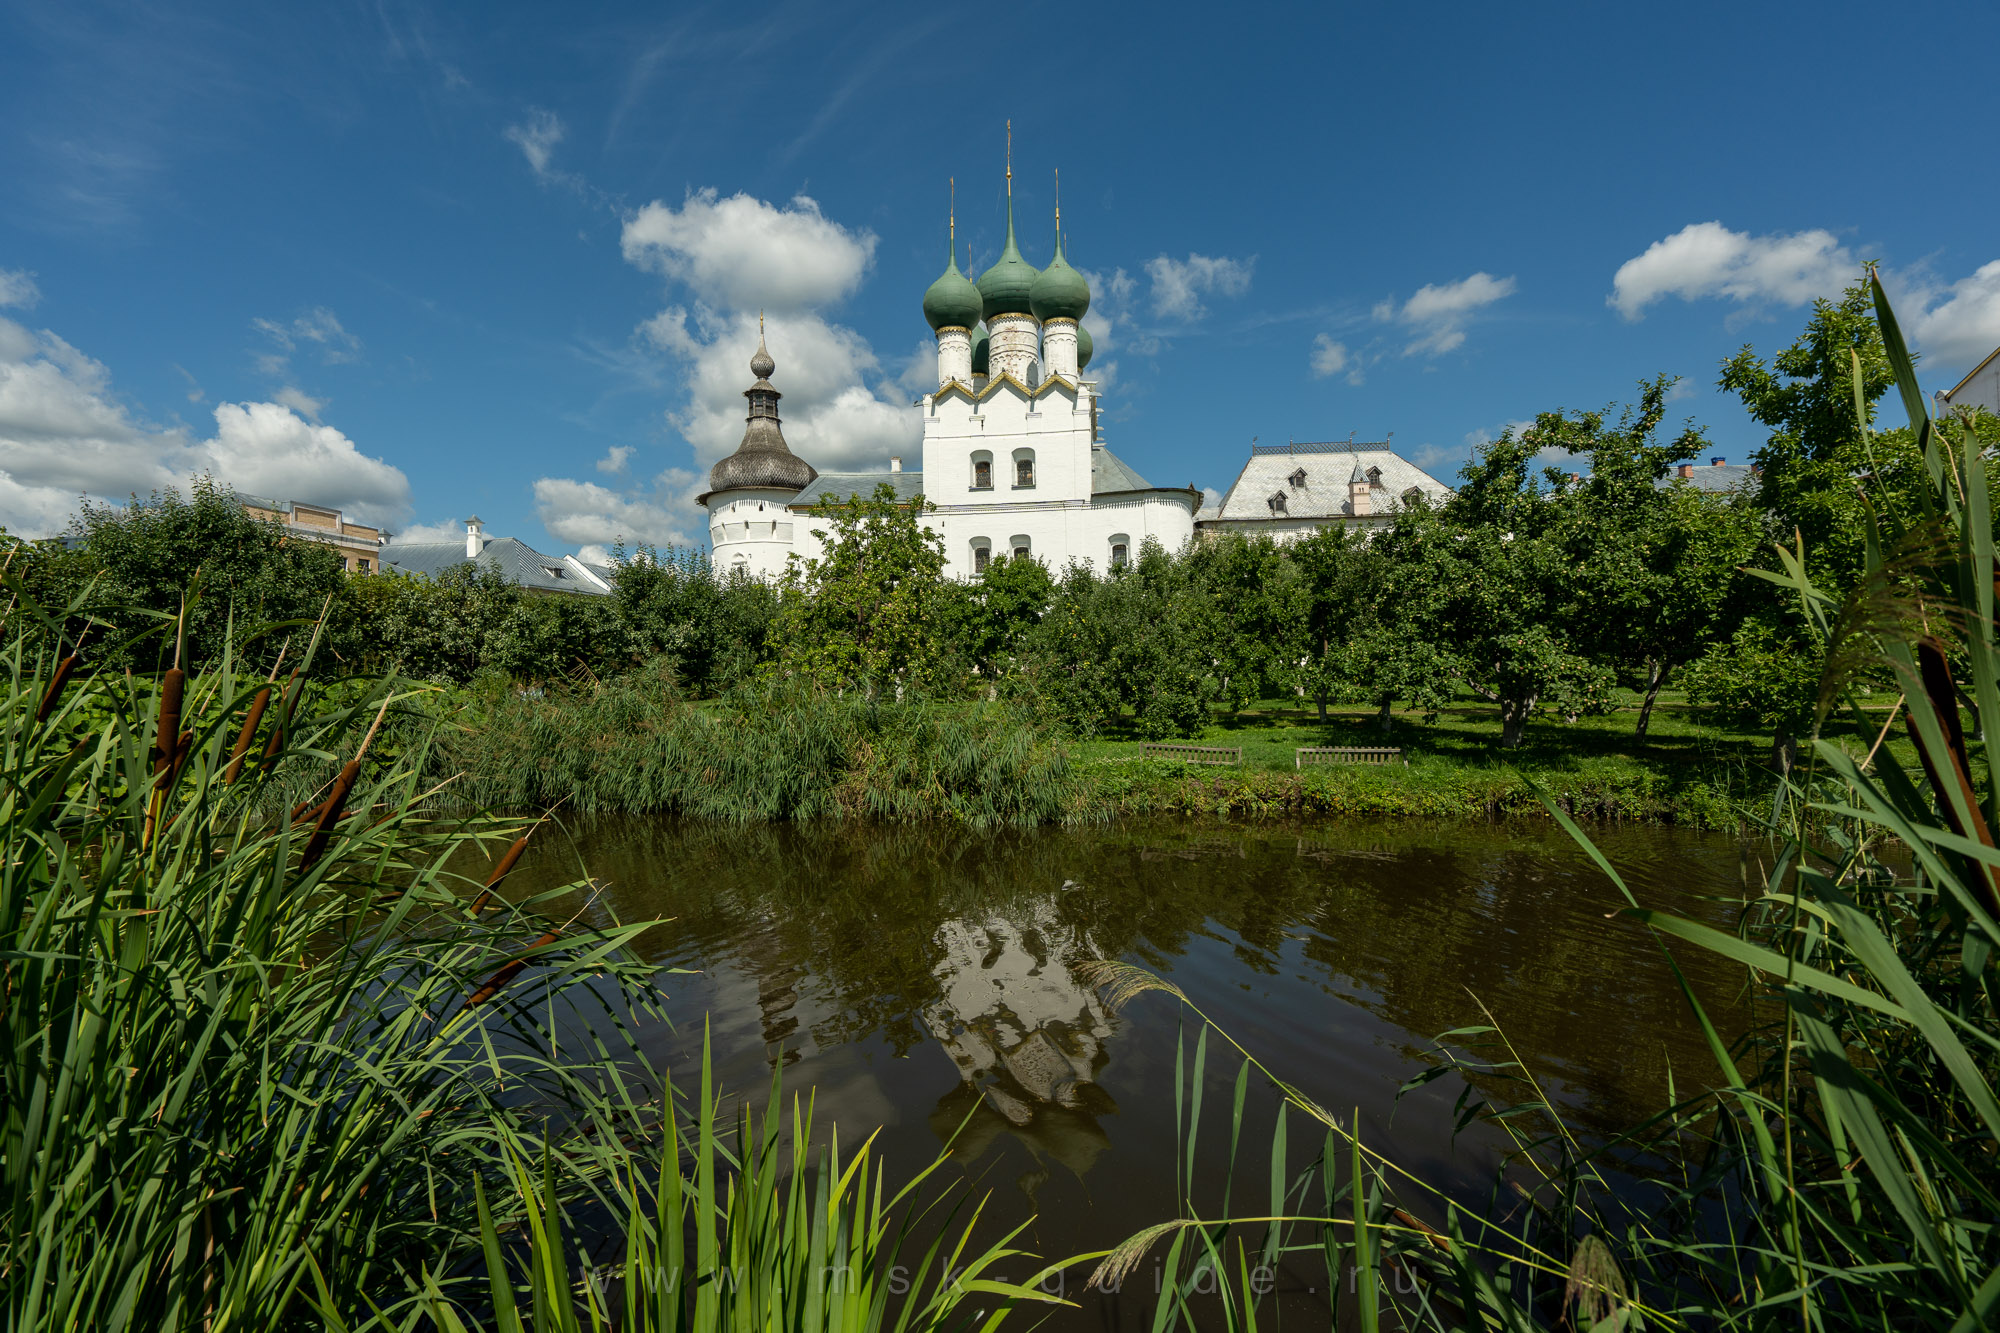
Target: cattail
(1942,691)
(329,814)
(498,981)
(248,734)
(500,872)
(166,739)
(53,695)
(277,741)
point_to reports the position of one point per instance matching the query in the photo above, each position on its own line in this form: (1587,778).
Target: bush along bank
(633,746)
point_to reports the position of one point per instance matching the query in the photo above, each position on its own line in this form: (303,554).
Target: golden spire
(952,215)
(1058,207)
(1010,159)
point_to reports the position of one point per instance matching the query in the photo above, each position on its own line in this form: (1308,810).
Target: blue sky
(425,261)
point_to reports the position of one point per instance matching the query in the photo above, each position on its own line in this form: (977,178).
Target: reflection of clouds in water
(1026,1037)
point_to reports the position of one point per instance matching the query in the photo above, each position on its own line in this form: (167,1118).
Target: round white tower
(750,492)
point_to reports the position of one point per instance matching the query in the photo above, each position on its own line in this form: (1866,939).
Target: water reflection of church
(1027,1037)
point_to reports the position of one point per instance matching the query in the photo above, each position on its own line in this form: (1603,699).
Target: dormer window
(1277,502)
(1375,478)
(1298,478)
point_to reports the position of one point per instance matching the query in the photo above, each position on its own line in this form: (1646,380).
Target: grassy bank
(633,746)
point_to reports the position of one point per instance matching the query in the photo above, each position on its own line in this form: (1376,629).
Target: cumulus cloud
(17,288)
(1179,284)
(537,138)
(726,260)
(1706,259)
(64,434)
(1438,313)
(661,514)
(1961,323)
(742,253)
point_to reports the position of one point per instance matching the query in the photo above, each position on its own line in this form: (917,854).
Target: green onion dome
(1004,288)
(952,301)
(1060,292)
(981,347)
(1083,347)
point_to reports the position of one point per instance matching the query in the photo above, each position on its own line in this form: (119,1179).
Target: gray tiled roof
(1324,492)
(845,484)
(519,562)
(1713,476)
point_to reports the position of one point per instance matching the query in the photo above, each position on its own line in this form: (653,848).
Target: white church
(1012,455)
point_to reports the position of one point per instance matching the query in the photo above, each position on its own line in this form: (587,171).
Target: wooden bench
(1196,754)
(1347,754)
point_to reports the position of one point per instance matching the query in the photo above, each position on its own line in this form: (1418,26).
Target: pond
(924,980)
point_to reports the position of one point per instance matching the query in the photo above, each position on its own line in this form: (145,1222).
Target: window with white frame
(1020,546)
(982,471)
(1024,469)
(982,554)
(1121,550)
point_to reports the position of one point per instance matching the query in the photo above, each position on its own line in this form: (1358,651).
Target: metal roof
(1712,476)
(842,485)
(1109,473)
(1327,468)
(518,562)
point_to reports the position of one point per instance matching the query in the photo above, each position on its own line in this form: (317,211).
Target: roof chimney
(895,465)
(475,538)
(1686,469)
(1716,461)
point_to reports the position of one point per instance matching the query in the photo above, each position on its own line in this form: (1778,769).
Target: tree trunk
(1320,699)
(1386,718)
(1656,679)
(1514,720)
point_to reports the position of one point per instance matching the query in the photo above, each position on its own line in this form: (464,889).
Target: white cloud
(615,460)
(1438,313)
(318,327)
(742,253)
(1211,498)
(300,401)
(662,514)
(1179,285)
(17,288)
(448,530)
(537,138)
(64,434)
(1330,357)
(1706,259)
(1965,325)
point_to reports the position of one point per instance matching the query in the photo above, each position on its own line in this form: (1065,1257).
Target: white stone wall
(1059,348)
(1053,426)
(1015,347)
(954,355)
(751,530)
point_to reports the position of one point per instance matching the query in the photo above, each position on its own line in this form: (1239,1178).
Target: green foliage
(136,561)
(763,751)
(775,1234)
(870,612)
(251,1077)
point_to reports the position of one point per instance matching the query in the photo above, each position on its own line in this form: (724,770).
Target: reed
(242,1088)
(763,752)
(1839,1170)
(770,1235)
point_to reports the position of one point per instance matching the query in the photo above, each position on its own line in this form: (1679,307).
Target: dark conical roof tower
(763,459)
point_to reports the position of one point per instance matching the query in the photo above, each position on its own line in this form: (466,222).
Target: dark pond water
(916,978)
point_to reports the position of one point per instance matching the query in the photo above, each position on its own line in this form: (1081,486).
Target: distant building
(360,546)
(1287,491)
(520,563)
(1979,389)
(1718,474)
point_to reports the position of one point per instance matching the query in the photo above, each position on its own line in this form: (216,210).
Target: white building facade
(1012,457)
